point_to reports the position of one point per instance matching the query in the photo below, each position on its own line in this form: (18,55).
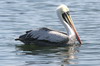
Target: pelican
(48,37)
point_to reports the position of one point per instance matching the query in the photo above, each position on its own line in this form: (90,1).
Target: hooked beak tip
(78,38)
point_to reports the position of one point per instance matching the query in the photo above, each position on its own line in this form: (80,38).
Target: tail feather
(17,39)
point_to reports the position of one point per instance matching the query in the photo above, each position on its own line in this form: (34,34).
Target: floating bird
(48,37)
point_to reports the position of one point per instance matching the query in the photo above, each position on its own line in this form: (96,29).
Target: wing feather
(48,35)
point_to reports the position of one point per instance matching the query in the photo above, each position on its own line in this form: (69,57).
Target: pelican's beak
(70,22)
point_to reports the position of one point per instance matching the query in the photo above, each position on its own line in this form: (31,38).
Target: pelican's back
(44,35)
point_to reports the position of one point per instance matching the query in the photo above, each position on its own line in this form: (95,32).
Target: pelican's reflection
(70,55)
(66,55)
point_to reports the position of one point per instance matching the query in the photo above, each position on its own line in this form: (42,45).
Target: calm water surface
(17,16)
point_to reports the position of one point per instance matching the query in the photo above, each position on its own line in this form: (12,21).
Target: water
(17,16)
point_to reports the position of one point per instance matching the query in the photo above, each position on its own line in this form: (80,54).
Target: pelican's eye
(67,13)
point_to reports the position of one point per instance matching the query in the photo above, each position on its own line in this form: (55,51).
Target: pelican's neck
(69,30)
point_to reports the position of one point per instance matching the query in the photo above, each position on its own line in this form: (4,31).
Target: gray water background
(18,16)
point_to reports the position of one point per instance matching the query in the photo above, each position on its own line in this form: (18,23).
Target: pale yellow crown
(63,8)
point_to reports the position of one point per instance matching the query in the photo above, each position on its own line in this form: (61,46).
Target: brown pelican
(49,37)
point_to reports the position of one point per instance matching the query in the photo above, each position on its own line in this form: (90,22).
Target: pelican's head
(64,16)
